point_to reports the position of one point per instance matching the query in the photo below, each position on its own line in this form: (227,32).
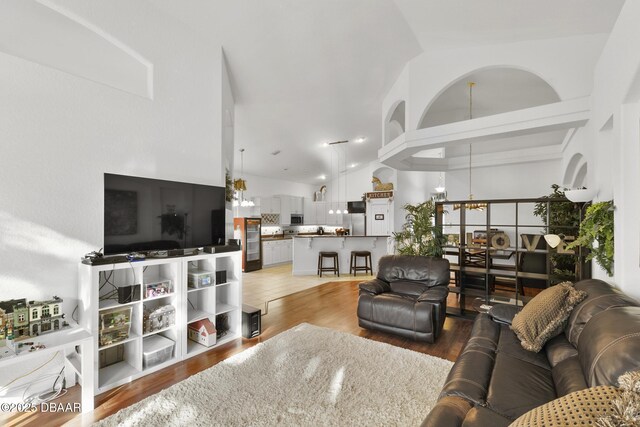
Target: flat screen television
(142,214)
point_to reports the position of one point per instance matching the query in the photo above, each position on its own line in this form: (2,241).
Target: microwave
(297,219)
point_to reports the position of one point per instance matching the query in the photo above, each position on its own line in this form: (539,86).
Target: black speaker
(221,277)
(128,294)
(251,321)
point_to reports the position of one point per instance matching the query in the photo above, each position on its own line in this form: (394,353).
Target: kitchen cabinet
(297,205)
(309,211)
(321,212)
(267,253)
(285,210)
(270,205)
(277,251)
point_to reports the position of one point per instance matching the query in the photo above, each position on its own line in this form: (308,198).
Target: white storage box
(156,349)
(199,278)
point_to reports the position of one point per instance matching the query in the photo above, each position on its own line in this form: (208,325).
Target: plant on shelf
(562,219)
(596,234)
(419,235)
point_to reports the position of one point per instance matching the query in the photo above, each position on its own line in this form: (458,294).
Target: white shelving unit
(98,293)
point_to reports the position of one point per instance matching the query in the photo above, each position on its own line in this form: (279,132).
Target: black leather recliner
(408,297)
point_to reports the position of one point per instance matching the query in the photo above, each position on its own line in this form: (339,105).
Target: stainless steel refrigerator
(358,224)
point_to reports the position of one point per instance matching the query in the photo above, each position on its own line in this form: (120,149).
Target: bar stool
(354,267)
(336,265)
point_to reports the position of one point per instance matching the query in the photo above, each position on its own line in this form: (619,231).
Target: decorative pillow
(602,406)
(580,408)
(543,317)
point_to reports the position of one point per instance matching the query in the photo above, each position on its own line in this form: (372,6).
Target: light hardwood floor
(331,305)
(271,283)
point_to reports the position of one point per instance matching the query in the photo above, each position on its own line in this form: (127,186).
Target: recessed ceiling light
(322,177)
(325,144)
(353,165)
(360,140)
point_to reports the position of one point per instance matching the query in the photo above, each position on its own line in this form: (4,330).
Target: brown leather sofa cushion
(408,287)
(543,317)
(609,345)
(601,296)
(427,270)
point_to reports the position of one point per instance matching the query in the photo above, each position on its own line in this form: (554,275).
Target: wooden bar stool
(336,264)
(353,265)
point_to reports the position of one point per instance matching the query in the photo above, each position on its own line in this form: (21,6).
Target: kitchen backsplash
(270,219)
(270,230)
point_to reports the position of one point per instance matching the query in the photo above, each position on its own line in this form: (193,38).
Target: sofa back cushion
(425,270)
(601,296)
(408,287)
(609,345)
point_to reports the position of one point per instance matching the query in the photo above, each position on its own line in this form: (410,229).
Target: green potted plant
(596,234)
(564,218)
(419,235)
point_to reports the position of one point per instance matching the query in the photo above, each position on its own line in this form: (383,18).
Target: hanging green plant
(228,188)
(419,235)
(596,234)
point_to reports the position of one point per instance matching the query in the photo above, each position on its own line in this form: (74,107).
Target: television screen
(142,214)
(357,207)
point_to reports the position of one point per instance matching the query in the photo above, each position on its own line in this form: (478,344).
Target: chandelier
(478,206)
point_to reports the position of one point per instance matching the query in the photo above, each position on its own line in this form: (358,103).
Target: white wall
(60,134)
(616,139)
(259,186)
(525,180)
(560,62)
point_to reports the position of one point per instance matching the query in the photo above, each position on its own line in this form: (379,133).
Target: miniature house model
(203,332)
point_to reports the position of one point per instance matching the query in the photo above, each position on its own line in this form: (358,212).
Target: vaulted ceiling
(306,72)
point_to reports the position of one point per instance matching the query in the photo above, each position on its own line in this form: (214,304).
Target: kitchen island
(306,249)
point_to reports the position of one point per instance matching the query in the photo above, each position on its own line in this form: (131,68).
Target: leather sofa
(494,380)
(408,297)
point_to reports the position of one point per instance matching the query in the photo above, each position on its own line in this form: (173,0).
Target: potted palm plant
(419,235)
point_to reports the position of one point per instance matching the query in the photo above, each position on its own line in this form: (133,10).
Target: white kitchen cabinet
(321,212)
(285,209)
(277,251)
(270,205)
(289,250)
(309,211)
(297,205)
(267,253)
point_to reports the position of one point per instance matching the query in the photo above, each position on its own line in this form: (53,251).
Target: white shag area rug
(305,376)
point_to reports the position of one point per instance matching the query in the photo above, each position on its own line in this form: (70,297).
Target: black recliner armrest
(434,294)
(374,287)
(503,313)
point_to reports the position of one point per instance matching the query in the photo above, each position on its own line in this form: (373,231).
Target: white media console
(98,295)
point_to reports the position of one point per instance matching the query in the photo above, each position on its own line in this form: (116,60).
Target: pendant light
(240,185)
(338,211)
(440,188)
(337,186)
(331,171)
(346,211)
(471,205)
